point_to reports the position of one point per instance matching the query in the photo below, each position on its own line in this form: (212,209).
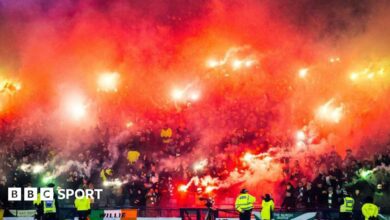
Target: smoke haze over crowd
(317,70)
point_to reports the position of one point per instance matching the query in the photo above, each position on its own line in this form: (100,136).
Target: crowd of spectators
(79,162)
(337,178)
(147,179)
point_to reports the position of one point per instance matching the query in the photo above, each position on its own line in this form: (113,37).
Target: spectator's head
(244,191)
(357,191)
(379,187)
(267,197)
(308,186)
(346,193)
(369,199)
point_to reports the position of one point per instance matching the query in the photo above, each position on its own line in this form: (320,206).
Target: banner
(18,218)
(289,215)
(120,214)
(22,213)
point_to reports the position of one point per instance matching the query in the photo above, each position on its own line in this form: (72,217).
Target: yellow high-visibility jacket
(348,204)
(49,206)
(244,202)
(266,208)
(82,204)
(370,210)
(38,200)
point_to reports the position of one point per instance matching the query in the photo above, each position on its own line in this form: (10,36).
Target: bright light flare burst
(185,95)
(367,74)
(48,179)
(236,64)
(183,188)
(129,124)
(206,184)
(232,60)
(334,59)
(248,157)
(108,82)
(354,76)
(255,158)
(209,189)
(199,166)
(329,112)
(76,107)
(194,96)
(212,63)
(301,136)
(302,73)
(177,94)
(9,86)
(37,168)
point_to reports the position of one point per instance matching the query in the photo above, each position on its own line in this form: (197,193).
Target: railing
(167,208)
(69,210)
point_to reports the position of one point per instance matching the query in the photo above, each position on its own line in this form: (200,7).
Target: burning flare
(108,82)
(200,165)
(329,112)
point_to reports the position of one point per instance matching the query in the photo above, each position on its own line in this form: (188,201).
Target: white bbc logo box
(30,194)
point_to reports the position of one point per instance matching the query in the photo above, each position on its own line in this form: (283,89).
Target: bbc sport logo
(47,194)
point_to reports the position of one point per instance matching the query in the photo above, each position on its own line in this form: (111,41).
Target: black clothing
(246,215)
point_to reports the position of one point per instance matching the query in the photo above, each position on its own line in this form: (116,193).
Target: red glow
(239,84)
